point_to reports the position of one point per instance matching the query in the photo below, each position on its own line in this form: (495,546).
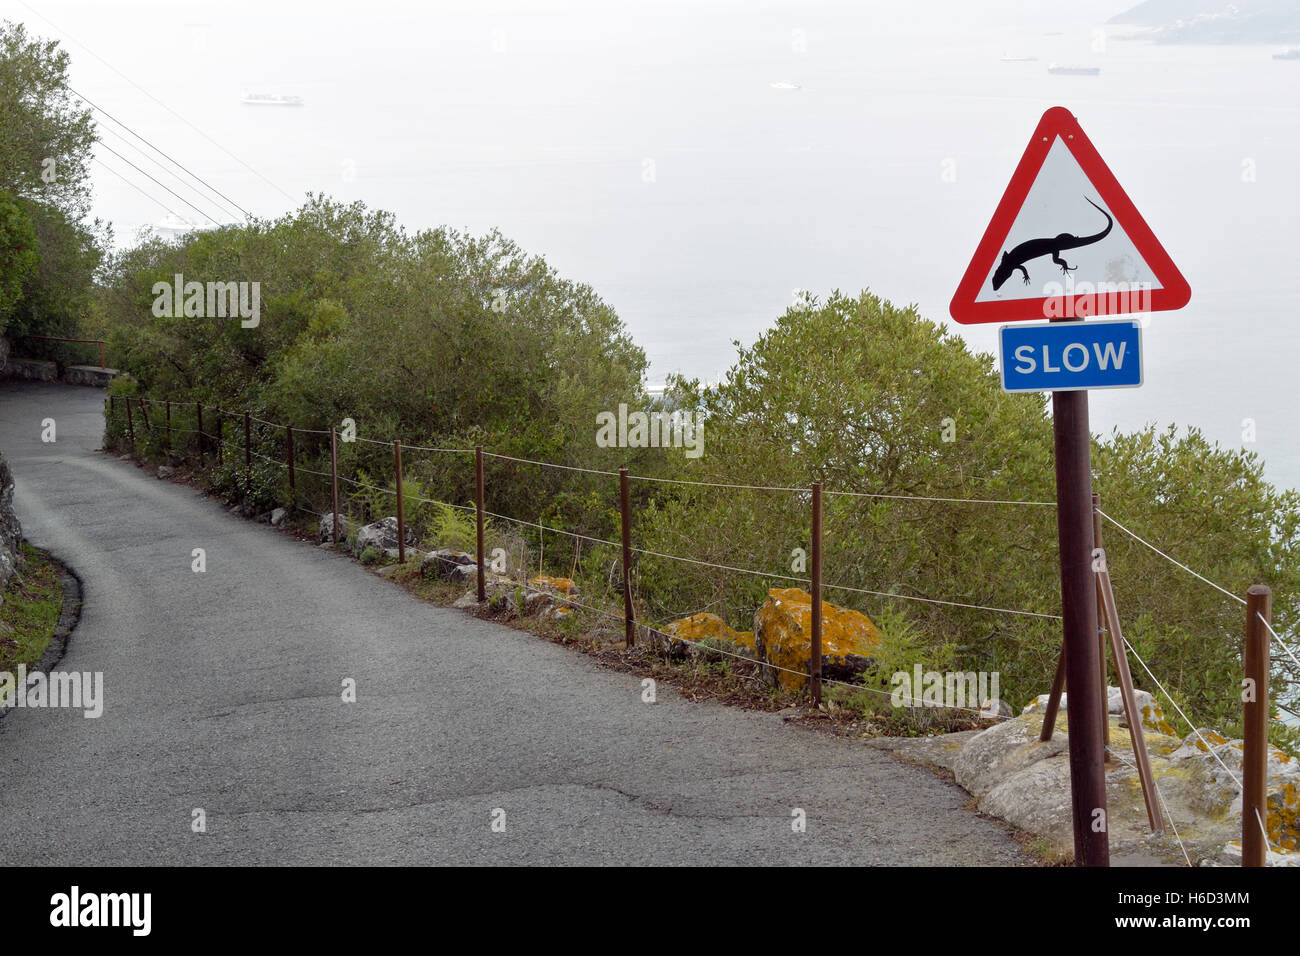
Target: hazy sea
(642,148)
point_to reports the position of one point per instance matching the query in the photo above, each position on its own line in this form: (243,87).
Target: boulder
(1153,718)
(782,639)
(1026,781)
(382,535)
(560,585)
(444,563)
(165,472)
(10,531)
(278,515)
(326,529)
(696,634)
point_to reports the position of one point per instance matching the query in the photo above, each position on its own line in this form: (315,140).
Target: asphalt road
(223,691)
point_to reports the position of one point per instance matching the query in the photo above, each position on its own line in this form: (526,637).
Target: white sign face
(1064,236)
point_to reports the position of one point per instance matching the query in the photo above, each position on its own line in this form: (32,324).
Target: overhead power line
(162,185)
(192,175)
(142,192)
(158,101)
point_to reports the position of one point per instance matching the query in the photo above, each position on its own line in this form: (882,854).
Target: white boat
(1011,58)
(783,85)
(270,99)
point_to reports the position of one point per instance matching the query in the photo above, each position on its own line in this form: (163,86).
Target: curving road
(223,692)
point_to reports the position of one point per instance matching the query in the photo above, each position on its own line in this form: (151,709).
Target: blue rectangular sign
(1070,356)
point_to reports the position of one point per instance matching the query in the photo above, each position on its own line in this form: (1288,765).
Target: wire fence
(214,437)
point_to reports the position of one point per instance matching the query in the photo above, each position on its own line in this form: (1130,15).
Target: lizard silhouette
(1034,248)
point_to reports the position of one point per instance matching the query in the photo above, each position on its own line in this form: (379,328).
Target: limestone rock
(10,531)
(1153,718)
(561,585)
(695,635)
(782,638)
(278,515)
(326,529)
(383,536)
(444,563)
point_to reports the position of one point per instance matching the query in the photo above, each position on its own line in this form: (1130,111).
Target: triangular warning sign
(1066,242)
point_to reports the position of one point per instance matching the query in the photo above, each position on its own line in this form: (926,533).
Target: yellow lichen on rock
(562,585)
(703,630)
(782,636)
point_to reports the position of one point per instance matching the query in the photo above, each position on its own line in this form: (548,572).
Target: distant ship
(1073,70)
(270,99)
(783,85)
(1291,54)
(1008,58)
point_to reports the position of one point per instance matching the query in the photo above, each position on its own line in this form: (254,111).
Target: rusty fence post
(401,510)
(102,366)
(130,423)
(1101,629)
(334,481)
(168,405)
(625,510)
(199,416)
(248,459)
(478,521)
(1254,783)
(288,454)
(815,645)
(216,436)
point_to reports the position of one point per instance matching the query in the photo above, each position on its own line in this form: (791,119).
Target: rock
(444,562)
(165,472)
(536,601)
(1153,718)
(465,573)
(1003,709)
(325,532)
(695,635)
(561,585)
(381,535)
(999,753)
(278,515)
(466,600)
(11,532)
(1025,781)
(781,638)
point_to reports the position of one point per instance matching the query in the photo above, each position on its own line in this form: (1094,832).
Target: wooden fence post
(401,511)
(1254,777)
(478,521)
(625,509)
(334,481)
(288,454)
(815,644)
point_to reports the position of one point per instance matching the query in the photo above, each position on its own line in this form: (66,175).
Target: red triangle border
(1174,292)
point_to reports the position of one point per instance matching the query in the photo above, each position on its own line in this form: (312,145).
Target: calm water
(543,118)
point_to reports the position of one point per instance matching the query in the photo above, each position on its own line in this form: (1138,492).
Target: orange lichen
(563,585)
(783,626)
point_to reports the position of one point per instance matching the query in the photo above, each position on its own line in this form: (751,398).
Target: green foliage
(46,135)
(452,528)
(453,341)
(18,255)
